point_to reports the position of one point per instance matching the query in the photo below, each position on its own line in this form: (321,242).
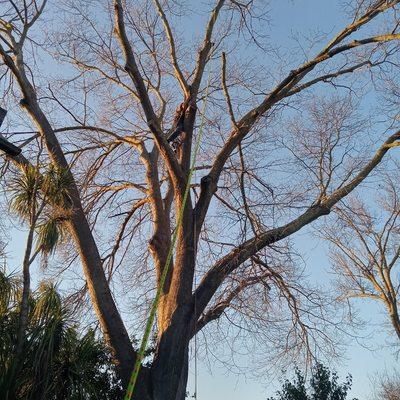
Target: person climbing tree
(178,125)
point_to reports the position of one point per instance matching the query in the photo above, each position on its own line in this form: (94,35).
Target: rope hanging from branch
(150,321)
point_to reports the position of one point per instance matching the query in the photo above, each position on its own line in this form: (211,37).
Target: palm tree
(58,362)
(43,355)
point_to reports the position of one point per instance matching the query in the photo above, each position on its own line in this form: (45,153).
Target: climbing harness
(153,310)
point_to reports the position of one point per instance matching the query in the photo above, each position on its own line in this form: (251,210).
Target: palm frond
(48,236)
(9,287)
(56,185)
(23,188)
(49,304)
(52,231)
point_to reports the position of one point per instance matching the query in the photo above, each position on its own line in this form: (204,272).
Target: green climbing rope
(153,310)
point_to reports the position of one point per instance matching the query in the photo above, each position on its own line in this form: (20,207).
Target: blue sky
(288,20)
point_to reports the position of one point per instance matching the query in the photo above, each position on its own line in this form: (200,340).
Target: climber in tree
(178,124)
(5,145)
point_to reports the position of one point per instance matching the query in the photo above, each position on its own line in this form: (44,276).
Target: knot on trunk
(154,242)
(322,208)
(24,102)
(206,182)
(157,242)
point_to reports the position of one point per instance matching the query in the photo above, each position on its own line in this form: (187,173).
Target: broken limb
(5,145)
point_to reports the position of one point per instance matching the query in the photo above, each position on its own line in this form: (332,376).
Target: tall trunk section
(170,366)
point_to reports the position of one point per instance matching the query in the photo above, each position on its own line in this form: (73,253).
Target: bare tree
(126,78)
(366,249)
(388,387)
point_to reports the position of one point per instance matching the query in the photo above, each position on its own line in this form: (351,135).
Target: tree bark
(394,318)
(170,366)
(23,318)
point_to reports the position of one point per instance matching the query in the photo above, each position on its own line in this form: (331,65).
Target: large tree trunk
(394,316)
(143,388)
(107,313)
(110,320)
(170,366)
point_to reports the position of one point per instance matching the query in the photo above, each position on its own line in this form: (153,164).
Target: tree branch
(152,121)
(178,73)
(218,309)
(282,90)
(205,49)
(216,275)
(226,92)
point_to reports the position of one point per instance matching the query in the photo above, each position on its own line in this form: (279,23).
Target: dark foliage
(323,385)
(58,362)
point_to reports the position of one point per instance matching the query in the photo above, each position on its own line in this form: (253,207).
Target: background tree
(323,385)
(276,156)
(365,248)
(388,387)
